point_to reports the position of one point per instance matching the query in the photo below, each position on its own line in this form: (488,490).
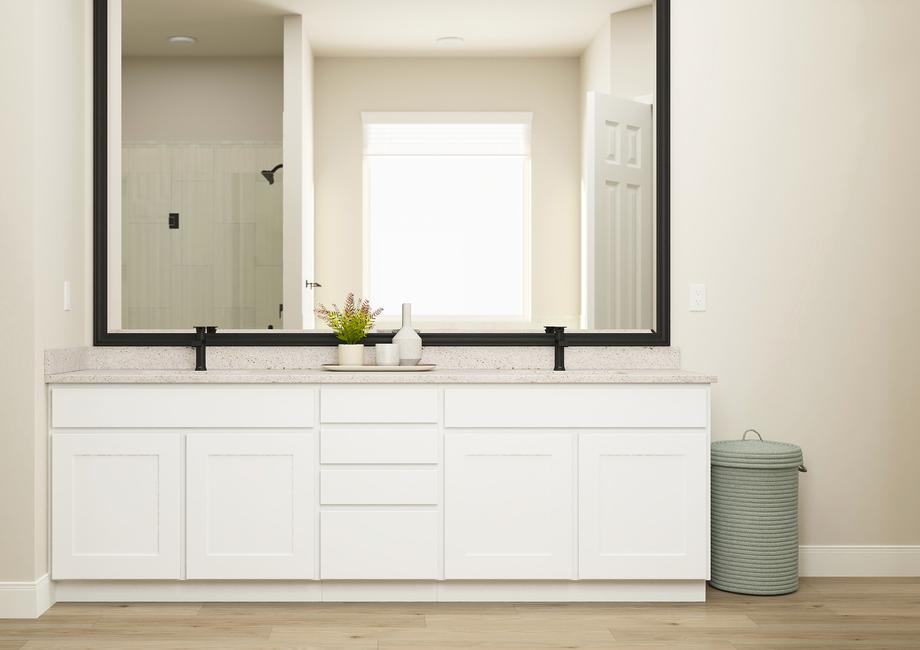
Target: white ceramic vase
(351,355)
(408,340)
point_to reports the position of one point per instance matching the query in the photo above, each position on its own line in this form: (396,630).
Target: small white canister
(387,354)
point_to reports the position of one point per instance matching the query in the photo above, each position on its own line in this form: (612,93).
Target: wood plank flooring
(866,613)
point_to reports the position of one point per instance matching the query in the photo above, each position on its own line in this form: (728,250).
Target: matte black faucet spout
(560,343)
(201,345)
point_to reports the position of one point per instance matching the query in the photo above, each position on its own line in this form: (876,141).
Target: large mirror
(495,164)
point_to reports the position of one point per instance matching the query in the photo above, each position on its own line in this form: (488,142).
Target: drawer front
(379,487)
(402,404)
(577,407)
(379,545)
(163,407)
(379,446)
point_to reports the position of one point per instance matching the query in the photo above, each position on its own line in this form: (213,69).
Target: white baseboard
(381,591)
(26,599)
(31,599)
(859,561)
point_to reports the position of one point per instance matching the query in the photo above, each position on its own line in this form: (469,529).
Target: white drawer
(379,544)
(146,406)
(577,407)
(378,487)
(378,404)
(379,445)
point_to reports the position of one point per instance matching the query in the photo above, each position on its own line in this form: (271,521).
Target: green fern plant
(352,322)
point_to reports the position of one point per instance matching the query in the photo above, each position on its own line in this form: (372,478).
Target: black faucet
(560,343)
(201,344)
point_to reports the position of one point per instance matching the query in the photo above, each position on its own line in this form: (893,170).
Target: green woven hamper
(755,503)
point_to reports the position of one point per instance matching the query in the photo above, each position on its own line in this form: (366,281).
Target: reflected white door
(618,230)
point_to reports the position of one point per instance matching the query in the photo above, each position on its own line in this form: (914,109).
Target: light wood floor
(825,613)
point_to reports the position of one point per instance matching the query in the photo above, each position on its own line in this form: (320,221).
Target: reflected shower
(269,174)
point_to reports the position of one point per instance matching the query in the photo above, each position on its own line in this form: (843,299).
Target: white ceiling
(368,27)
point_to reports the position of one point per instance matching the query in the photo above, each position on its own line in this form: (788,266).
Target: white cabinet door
(643,505)
(251,505)
(508,505)
(115,506)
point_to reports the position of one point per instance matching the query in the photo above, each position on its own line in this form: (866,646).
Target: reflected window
(447,216)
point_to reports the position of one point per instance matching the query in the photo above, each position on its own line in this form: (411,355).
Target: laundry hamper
(755,529)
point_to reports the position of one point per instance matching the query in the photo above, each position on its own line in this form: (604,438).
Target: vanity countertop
(436,376)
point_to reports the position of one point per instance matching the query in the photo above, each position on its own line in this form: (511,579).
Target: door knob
(313,285)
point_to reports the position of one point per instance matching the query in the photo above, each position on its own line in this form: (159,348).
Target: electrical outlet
(68,303)
(697,297)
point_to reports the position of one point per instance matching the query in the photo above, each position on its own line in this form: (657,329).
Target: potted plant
(350,324)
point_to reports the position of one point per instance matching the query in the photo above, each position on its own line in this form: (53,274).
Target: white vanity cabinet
(170,482)
(425,491)
(524,464)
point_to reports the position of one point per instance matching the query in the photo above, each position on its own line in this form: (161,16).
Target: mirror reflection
(489,163)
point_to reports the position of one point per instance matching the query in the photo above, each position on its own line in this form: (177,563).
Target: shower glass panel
(217,259)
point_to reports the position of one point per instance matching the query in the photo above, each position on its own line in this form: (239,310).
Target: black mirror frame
(658,337)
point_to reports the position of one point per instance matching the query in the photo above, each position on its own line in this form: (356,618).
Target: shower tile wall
(223,265)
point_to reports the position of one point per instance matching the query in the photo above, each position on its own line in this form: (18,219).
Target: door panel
(116,506)
(508,505)
(643,505)
(251,503)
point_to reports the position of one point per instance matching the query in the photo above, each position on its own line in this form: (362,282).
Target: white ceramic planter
(351,355)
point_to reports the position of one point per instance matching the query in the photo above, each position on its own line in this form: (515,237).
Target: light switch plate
(68,302)
(697,297)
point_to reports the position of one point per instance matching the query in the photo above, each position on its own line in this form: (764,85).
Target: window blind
(428,138)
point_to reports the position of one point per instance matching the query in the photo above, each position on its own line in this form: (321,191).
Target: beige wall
(199,99)
(632,53)
(43,125)
(548,87)
(620,59)
(795,158)
(595,63)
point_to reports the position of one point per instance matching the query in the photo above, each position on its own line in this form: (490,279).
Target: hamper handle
(801,467)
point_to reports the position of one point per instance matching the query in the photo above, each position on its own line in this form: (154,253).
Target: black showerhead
(269,174)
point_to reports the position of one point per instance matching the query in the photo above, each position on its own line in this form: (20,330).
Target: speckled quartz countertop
(436,376)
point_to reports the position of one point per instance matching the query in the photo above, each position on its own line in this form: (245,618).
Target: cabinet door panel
(250,505)
(115,506)
(643,505)
(508,505)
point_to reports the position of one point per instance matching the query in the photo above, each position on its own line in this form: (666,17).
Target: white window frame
(454,322)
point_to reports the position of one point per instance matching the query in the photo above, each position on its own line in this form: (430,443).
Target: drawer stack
(379,483)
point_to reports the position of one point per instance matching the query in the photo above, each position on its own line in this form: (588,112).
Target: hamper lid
(756,453)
